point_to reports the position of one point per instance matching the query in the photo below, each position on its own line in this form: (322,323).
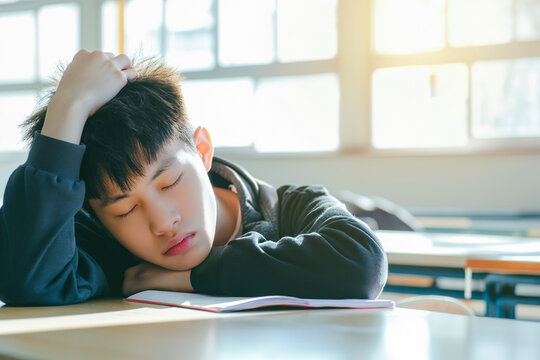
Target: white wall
(8,163)
(489,181)
(472,181)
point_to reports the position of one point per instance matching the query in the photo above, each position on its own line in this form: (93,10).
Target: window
(32,40)
(455,73)
(270,76)
(260,74)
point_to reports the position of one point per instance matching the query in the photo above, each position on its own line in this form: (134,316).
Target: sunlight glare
(17,47)
(420,106)
(299,113)
(231,108)
(506,98)
(109,27)
(143,27)
(238,46)
(307,29)
(409,26)
(14,108)
(479,22)
(58,40)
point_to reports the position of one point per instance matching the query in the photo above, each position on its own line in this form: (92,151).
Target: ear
(204,145)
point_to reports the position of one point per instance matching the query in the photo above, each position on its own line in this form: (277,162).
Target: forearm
(65,120)
(148,276)
(39,260)
(175,281)
(329,264)
(324,252)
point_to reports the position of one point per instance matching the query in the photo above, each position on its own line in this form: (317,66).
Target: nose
(163,217)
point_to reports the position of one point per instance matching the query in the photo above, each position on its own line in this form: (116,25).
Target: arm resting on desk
(322,252)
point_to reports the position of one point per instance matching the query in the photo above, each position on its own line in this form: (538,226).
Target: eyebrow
(165,164)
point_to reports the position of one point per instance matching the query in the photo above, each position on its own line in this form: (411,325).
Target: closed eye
(121,216)
(173,184)
(126,214)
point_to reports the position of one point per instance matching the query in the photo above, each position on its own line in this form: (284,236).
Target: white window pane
(15,107)
(17,47)
(479,22)
(298,113)
(190,39)
(109,27)
(58,36)
(224,107)
(246,32)
(307,29)
(143,20)
(506,98)
(192,50)
(408,26)
(528,19)
(186,15)
(420,106)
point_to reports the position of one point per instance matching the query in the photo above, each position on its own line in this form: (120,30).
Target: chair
(437,303)
(379,213)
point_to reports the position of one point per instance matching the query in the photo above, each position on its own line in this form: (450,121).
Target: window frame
(354,64)
(256,73)
(467,55)
(89,20)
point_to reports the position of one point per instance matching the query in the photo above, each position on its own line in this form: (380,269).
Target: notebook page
(180,298)
(219,303)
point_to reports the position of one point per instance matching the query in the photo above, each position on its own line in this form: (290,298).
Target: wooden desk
(506,273)
(115,329)
(526,264)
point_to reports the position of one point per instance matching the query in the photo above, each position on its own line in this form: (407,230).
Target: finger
(81,52)
(122,61)
(131,74)
(108,55)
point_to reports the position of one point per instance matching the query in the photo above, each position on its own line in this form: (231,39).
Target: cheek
(206,198)
(127,232)
(195,196)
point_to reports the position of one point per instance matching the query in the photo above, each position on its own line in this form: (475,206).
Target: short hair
(128,132)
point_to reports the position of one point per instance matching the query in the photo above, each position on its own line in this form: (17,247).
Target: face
(169,216)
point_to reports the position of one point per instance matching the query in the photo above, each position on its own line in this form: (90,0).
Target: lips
(179,244)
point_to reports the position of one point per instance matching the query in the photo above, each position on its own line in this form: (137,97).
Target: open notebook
(224,304)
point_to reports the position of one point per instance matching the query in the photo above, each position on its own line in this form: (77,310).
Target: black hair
(128,132)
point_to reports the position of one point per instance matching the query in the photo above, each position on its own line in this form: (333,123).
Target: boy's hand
(148,276)
(90,81)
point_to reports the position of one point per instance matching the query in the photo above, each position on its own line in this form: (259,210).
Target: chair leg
(507,308)
(489,298)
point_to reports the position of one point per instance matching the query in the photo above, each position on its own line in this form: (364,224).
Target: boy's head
(145,181)
(127,133)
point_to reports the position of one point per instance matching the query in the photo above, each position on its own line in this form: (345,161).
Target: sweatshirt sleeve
(40,263)
(323,252)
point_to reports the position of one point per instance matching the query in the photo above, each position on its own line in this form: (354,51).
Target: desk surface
(453,250)
(116,329)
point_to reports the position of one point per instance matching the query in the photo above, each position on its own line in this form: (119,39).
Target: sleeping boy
(120,194)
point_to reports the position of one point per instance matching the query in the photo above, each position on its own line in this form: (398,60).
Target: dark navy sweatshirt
(297,241)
